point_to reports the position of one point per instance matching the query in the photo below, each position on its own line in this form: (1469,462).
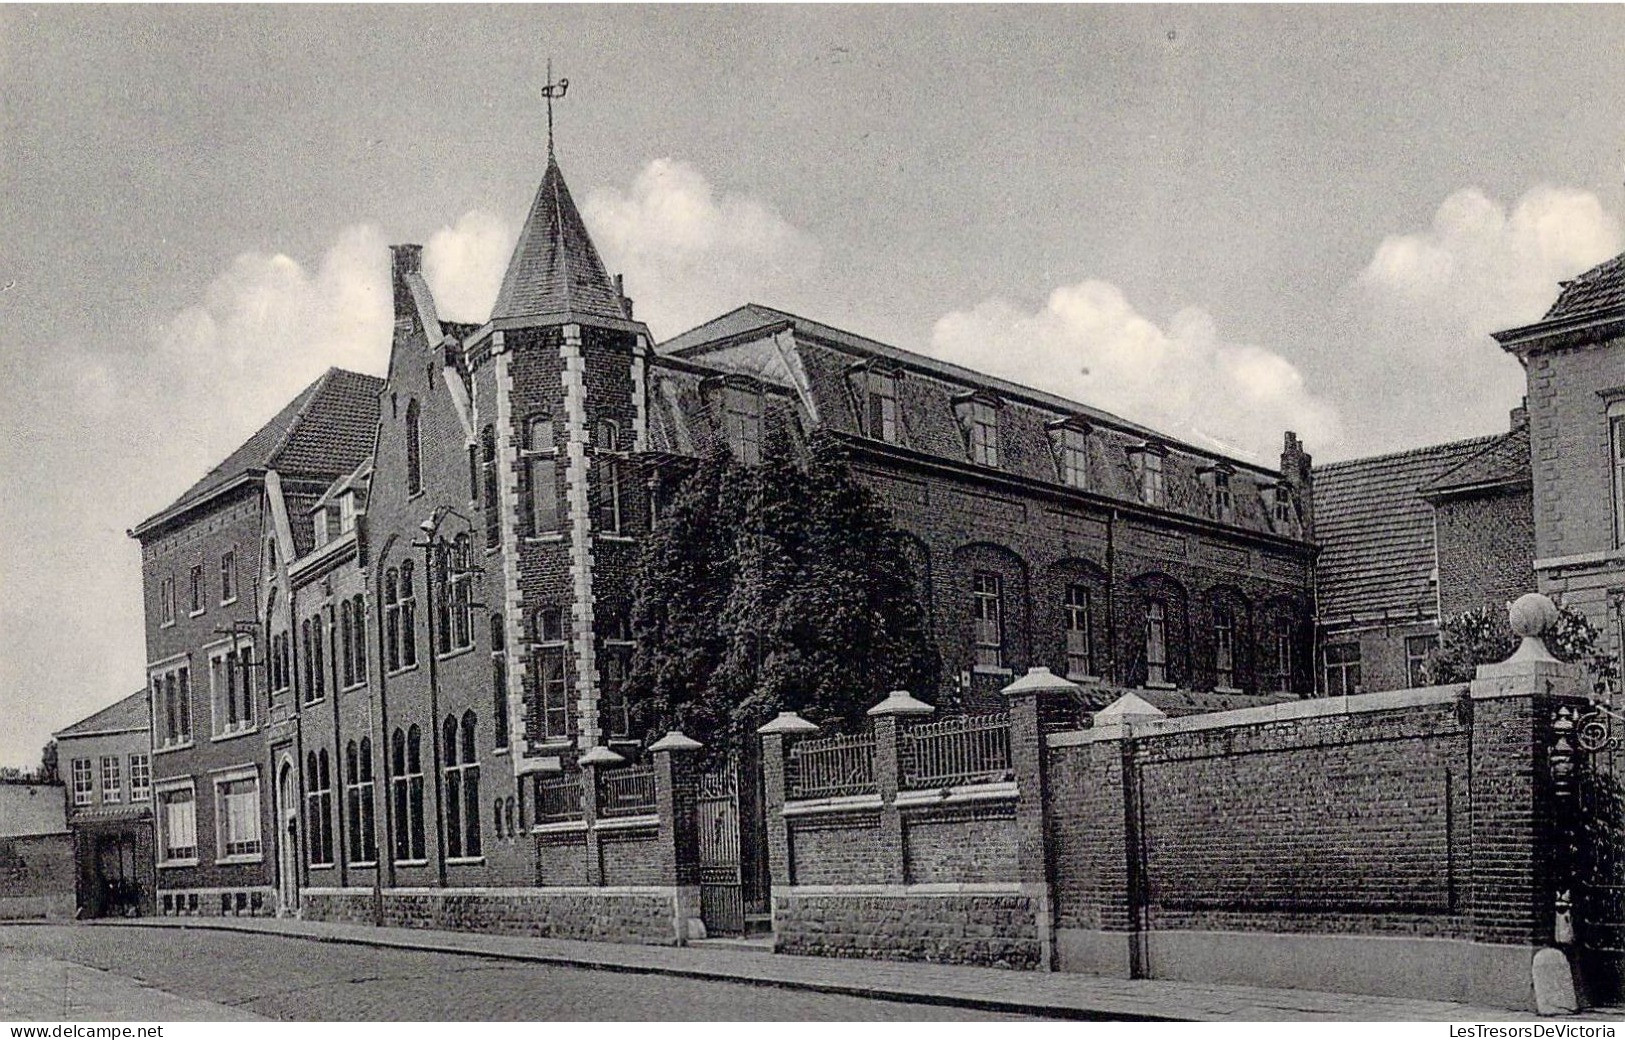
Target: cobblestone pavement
(44,989)
(161,974)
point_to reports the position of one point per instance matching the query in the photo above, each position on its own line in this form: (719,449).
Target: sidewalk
(992,989)
(43,990)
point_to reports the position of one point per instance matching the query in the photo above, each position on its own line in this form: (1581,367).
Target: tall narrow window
(359,649)
(346,643)
(614,663)
(319,808)
(982,432)
(742,423)
(1156,642)
(544,497)
(462,594)
(358,788)
(228,577)
(552,703)
(1224,648)
(462,788)
(1281,636)
(473,474)
(1342,669)
(310,680)
(112,780)
(177,820)
(1616,428)
(245,686)
(414,802)
(988,619)
(196,591)
(1152,487)
(318,666)
(1079,660)
(229,694)
(409,617)
(1223,501)
(166,600)
(880,412)
(140,776)
(1072,456)
(84,784)
(400,791)
(414,450)
(392,620)
(1417,651)
(499,682)
(607,442)
(488,477)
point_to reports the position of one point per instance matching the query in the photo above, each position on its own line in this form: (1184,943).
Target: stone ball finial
(1532,616)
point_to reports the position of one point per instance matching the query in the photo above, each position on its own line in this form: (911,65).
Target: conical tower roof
(555,268)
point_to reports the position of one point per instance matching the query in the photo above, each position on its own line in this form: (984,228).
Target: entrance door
(115,875)
(287,844)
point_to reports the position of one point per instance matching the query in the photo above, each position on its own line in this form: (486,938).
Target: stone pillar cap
(601,756)
(1126,708)
(1040,680)
(788,722)
(901,702)
(676,740)
(1534,617)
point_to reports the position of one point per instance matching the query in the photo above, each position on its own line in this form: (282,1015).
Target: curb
(871,992)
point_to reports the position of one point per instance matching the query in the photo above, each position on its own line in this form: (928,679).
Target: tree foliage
(1484,637)
(782,587)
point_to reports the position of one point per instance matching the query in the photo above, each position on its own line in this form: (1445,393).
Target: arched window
(509,814)
(462,595)
(409,618)
(471,785)
(346,641)
(414,454)
(319,808)
(310,681)
(454,791)
(392,620)
(488,472)
(499,682)
(414,802)
(398,782)
(462,788)
(496,818)
(359,648)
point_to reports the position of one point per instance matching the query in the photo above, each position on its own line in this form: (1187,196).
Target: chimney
(1297,469)
(1520,416)
(626,301)
(406,260)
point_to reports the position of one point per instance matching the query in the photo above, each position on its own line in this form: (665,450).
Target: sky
(1223,222)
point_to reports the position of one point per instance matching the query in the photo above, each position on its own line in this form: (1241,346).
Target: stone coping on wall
(1286,711)
(943,888)
(845,803)
(954,795)
(482,890)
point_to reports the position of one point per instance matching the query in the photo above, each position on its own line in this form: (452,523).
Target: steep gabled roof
(1504,462)
(1600,289)
(326,430)
(128,715)
(1376,531)
(555,267)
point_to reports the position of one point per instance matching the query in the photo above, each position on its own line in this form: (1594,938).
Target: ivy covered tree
(782,587)
(1484,637)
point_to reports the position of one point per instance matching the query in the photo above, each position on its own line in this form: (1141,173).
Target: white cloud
(1423,309)
(690,254)
(464,264)
(1090,344)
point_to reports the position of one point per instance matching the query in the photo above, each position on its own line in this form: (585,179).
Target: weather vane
(550,91)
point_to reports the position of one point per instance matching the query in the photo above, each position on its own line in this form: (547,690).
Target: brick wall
(991,930)
(36,876)
(644,916)
(1486,550)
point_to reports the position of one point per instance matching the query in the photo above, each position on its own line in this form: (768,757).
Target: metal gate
(1597,899)
(732,835)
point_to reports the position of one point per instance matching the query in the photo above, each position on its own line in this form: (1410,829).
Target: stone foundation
(990,929)
(627,915)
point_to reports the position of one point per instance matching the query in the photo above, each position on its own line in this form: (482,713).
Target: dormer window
(874,391)
(742,423)
(979,418)
(1148,462)
(1282,512)
(1070,440)
(347,512)
(1221,500)
(319,526)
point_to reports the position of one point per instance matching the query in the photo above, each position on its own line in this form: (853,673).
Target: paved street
(130,974)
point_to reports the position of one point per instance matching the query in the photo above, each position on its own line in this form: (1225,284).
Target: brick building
(36,851)
(439,566)
(1409,539)
(1574,358)
(209,665)
(107,761)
